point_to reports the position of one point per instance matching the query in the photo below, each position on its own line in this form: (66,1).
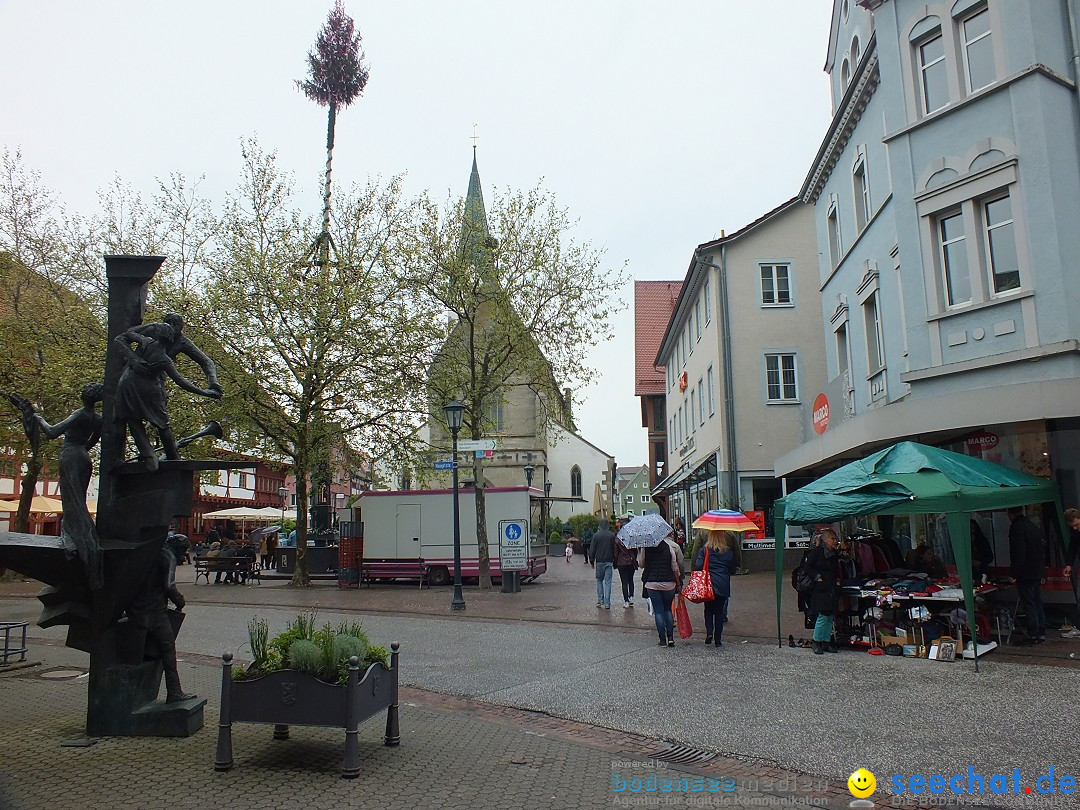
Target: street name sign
(444,465)
(466,445)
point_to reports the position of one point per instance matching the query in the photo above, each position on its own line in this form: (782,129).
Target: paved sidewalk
(454,754)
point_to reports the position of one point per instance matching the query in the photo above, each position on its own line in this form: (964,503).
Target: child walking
(569,551)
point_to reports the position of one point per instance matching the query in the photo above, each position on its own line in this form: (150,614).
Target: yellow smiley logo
(861,783)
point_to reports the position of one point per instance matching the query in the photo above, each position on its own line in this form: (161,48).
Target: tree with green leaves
(318,359)
(527,301)
(52,338)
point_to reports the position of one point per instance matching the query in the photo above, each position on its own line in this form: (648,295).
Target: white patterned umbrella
(644,531)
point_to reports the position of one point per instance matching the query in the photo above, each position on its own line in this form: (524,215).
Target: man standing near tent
(1027,550)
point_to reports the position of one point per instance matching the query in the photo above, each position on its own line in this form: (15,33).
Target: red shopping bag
(682,619)
(699,588)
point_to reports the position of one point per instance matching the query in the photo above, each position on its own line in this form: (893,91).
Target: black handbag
(804,581)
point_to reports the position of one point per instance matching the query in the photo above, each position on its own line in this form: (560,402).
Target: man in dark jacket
(1027,550)
(1072,568)
(602,554)
(823,566)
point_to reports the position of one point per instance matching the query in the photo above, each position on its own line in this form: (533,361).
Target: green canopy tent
(910,479)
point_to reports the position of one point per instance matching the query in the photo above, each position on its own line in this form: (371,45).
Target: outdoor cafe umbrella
(40,503)
(644,531)
(725,520)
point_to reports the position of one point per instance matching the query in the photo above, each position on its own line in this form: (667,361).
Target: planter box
(288,697)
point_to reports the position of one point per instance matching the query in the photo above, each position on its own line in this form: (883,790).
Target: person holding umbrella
(660,559)
(717,550)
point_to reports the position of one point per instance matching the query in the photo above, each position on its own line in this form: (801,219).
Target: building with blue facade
(947,196)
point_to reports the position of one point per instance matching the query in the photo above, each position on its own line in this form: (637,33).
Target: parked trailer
(410,534)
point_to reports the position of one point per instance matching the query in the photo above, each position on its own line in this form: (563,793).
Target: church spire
(475,235)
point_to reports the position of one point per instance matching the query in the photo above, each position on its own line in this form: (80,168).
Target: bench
(372,570)
(204,566)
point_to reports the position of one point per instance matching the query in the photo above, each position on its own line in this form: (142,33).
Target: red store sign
(821,414)
(982,441)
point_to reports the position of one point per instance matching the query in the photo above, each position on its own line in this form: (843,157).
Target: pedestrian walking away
(626,562)
(661,573)
(1027,549)
(823,567)
(721,562)
(602,552)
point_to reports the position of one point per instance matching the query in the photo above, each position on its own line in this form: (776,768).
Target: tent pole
(779,533)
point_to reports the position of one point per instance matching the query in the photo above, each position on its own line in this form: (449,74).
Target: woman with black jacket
(721,567)
(823,565)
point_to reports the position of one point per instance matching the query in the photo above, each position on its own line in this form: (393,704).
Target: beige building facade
(744,355)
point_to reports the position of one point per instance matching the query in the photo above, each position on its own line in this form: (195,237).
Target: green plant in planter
(323,653)
(306,656)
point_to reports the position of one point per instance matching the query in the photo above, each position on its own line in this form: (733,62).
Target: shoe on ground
(630,603)
(1074,633)
(179,696)
(719,644)
(625,605)
(662,644)
(1039,640)
(671,642)
(599,604)
(791,641)
(818,649)
(708,639)
(607,607)
(831,647)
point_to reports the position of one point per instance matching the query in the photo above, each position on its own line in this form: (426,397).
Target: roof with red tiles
(654,301)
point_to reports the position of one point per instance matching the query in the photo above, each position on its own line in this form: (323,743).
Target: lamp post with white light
(282,492)
(455,414)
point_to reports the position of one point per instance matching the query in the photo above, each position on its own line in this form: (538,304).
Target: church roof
(654,301)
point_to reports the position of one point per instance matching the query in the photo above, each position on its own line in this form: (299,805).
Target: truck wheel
(438,576)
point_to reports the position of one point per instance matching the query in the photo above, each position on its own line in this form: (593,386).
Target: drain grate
(544,608)
(681,754)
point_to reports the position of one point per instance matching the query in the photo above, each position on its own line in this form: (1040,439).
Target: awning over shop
(910,479)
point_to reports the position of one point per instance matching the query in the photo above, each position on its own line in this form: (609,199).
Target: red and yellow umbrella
(725,520)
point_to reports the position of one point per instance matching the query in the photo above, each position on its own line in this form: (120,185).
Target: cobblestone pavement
(514,711)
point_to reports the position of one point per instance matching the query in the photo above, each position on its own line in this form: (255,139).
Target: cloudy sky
(656,124)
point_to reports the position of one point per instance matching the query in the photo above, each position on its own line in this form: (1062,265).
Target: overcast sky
(656,124)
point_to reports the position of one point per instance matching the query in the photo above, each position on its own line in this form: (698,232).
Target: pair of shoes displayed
(708,639)
(791,641)
(1074,633)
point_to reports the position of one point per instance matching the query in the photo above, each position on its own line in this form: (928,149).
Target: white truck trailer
(410,534)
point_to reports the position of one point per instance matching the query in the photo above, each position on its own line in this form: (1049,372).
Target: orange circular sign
(821,414)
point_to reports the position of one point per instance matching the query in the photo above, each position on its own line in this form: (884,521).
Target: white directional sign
(467,445)
(513,545)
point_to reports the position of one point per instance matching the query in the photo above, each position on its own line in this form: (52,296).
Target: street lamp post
(282,492)
(529,470)
(455,413)
(340,497)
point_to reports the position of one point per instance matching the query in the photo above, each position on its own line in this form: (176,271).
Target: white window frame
(629,498)
(943,245)
(712,398)
(772,268)
(922,69)
(707,295)
(872,324)
(701,399)
(860,185)
(781,358)
(835,234)
(987,246)
(693,421)
(697,316)
(965,45)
